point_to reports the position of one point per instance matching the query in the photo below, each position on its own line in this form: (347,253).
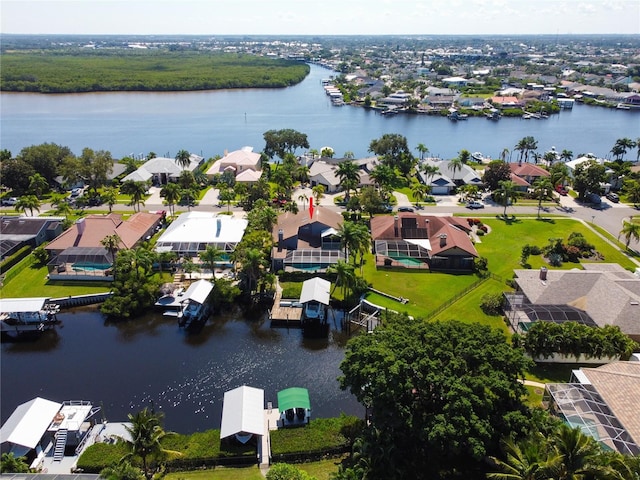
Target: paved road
(608,215)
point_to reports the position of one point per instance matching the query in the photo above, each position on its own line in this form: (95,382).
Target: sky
(320,17)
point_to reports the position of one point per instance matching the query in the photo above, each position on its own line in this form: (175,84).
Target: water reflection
(129,365)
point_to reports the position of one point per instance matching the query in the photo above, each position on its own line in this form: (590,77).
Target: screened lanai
(313,259)
(409,253)
(522,314)
(81,262)
(582,407)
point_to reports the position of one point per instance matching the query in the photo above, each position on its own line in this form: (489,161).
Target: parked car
(613,197)
(10,202)
(76,192)
(405,209)
(594,198)
(561,190)
(475,205)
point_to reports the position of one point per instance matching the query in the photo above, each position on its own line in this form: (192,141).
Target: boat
(477,156)
(23,316)
(190,307)
(622,106)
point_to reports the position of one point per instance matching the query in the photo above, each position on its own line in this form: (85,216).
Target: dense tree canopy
(280,142)
(440,395)
(496,172)
(392,149)
(587,178)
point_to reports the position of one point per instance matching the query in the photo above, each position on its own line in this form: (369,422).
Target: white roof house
(243,413)
(162,169)
(316,289)
(245,163)
(28,423)
(191,232)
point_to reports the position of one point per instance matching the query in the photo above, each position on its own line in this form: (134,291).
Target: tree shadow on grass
(547,220)
(508,220)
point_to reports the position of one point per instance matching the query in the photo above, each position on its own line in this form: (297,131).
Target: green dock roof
(294,397)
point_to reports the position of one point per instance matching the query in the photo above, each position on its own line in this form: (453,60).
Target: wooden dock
(284,315)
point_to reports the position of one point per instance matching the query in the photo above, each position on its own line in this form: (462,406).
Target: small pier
(285,313)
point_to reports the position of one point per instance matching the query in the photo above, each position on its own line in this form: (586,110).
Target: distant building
(162,170)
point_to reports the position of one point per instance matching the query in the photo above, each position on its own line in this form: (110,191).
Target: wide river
(208,123)
(148,361)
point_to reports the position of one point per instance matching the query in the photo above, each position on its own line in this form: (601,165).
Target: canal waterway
(151,362)
(209,123)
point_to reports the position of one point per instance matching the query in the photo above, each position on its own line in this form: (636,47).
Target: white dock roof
(243,412)
(316,289)
(29,422)
(13,305)
(198,291)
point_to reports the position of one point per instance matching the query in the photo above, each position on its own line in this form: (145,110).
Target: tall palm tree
(543,189)
(112,243)
(521,147)
(137,191)
(631,189)
(621,146)
(318,193)
(345,276)
(455,164)
(430,171)
(422,150)
(303,197)
(253,263)
(349,175)
(38,185)
(183,159)
(146,434)
(385,177)
(419,192)
(630,230)
(210,256)
(122,471)
(505,194)
(579,454)
(504,154)
(566,155)
(171,193)
(347,231)
(28,202)
(110,196)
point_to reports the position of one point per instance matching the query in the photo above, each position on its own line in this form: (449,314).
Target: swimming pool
(408,261)
(90,267)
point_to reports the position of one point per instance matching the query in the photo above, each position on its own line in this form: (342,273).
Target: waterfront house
(162,170)
(603,402)
(17,232)
(78,254)
(446,180)
(600,294)
(192,232)
(409,240)
(244,164)
(524,174)
(305,242)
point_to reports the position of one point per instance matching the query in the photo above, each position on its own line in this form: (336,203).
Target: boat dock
(285,313)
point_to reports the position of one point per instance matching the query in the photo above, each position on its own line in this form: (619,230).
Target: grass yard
(33,282)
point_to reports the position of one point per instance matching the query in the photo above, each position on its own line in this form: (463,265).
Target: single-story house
(192,232)
(17,232)
(243,414)
(410,240)
(78,254)
(601,294)
(443,182)
(506,102)
(323,172)
(455,81)
(244,163)
(305,243)
(603,402)
(162,170)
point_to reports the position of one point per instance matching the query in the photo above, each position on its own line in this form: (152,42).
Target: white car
(475,205)
(11,201)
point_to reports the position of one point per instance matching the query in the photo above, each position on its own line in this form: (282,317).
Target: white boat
(27,315)
(477,156)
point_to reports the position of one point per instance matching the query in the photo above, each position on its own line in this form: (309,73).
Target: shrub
(491,303)
(480,233)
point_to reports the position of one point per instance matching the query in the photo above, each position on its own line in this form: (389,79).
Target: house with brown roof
(78,254)
(524,174)
(601,294)
(305,242)
(410,240)
(604,402)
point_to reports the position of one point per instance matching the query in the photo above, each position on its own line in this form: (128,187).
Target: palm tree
(253,262)
(210,256)
(384,176)
(122,471)
(422,149)
(349,154)
(110,196)
(630,230)
(566,155)
(171,193)
(455,164)
(430,171)
(347,231)
(529,459)
(349,175)
(318,193)
(38,185)
(631,189)
(579,454)
(137,191)
(28,202)
(183,159)
(505,194)
(521,147)
(146,434)
(543,189)
(303,197)
(112,243)
(503,155)
(419,192)
(621,146)
(345,276)
(189,266)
